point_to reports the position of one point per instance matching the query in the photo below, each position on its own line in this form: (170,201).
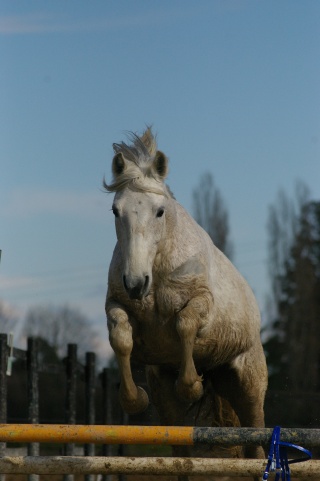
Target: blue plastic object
(278,458)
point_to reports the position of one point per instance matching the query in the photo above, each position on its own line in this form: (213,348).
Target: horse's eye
(160,212)
(115,211)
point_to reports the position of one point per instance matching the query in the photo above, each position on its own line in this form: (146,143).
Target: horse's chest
(160,307)
(155,338)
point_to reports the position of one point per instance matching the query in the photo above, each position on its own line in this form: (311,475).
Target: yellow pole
(54,433)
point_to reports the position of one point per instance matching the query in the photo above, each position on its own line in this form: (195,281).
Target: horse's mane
(138,174)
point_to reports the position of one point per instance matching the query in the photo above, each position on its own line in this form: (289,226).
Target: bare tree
(8,318)
(282,228)
(211,213)
(60,326)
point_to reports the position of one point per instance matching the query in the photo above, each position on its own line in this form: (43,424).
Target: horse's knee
(120,332)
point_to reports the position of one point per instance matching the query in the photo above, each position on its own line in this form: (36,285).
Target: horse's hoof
(137,405)
(189,393)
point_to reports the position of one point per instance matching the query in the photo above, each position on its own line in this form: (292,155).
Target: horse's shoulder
(193,266)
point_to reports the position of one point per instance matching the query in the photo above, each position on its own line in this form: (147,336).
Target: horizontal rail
(157,465)
(158,435)
(103,434)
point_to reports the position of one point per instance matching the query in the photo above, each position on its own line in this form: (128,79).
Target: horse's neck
(176,246)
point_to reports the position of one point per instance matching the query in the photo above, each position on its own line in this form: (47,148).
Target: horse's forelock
(139,173)
(141,150)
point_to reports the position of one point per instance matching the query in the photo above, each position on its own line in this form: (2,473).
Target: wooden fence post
(106,412)
(3,389)
(71,398)
(90,380)
(33,395)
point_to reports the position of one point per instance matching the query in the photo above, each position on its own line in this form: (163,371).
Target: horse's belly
(156,344)
(151,357)
(162,346)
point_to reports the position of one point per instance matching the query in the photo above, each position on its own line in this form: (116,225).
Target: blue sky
(230,87)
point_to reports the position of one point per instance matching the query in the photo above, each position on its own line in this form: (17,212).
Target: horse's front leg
(133,398)
(189,384)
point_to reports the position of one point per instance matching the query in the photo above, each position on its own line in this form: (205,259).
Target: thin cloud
(39,23)
(19,282)
(27,203)
(29,24)
(42,23)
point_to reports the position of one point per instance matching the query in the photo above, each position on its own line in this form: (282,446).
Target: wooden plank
(147,466)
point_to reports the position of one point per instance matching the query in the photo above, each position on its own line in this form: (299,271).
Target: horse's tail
(215,411)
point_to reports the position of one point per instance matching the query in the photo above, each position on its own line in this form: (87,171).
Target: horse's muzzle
(136,288)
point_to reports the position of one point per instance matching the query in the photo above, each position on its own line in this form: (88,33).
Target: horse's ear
(160,164)
(118,164)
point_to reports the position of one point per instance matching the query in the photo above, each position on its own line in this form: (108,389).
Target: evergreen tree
(293,349)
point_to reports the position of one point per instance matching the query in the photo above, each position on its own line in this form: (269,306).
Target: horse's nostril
(136,288)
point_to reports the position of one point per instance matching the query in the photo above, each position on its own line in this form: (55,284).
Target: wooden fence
(69,372)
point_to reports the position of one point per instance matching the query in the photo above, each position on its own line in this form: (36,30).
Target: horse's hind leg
(170,408)
(244,384)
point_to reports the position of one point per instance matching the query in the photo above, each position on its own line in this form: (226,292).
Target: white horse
(175,302)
